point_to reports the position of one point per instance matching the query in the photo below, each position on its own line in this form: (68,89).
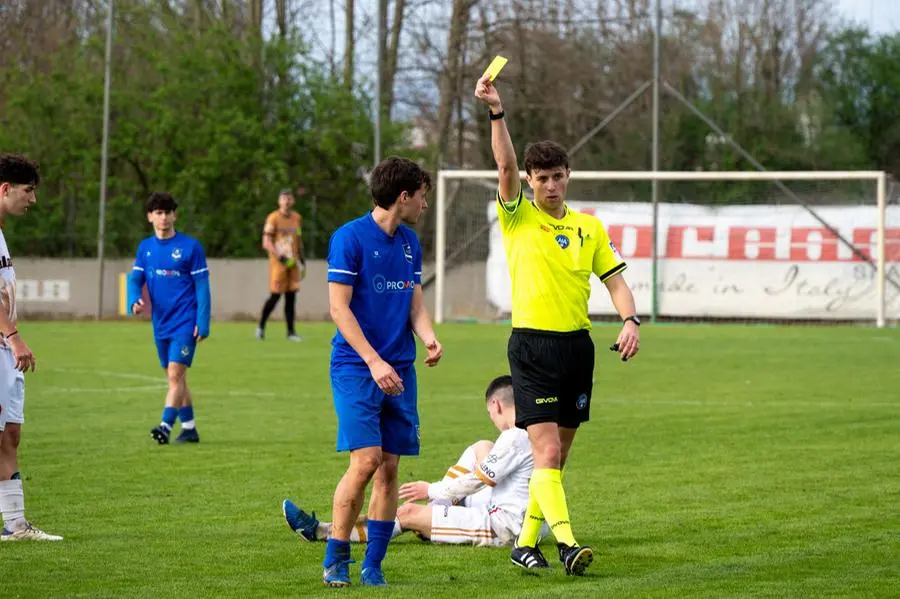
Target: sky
(882,16)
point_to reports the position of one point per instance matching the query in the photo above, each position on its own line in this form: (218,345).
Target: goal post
(781,246)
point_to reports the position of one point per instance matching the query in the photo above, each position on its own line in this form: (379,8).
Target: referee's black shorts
(552,374)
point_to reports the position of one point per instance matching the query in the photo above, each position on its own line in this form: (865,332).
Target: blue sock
(169,416)
(336,550)
(186,414)
(376,547)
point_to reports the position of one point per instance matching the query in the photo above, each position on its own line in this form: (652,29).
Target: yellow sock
(546,487)
(531,526)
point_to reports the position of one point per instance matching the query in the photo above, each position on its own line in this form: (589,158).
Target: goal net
(745,246)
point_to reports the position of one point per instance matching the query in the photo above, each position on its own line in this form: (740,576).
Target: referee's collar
(538,208)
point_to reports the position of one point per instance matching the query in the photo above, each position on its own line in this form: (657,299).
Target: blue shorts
(179,348)
(368,417)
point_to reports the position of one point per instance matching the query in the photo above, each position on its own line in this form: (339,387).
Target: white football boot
(29,533)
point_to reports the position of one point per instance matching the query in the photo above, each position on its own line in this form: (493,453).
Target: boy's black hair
(161,200)
(545,155)
(500,383)
(18,170)
(393,176)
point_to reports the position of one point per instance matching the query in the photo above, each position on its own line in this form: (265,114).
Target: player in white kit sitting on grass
(480,501)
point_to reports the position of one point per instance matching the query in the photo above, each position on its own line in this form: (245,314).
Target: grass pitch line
(111,373)
(262,394)
(751,404)
(140,389)
(159,383)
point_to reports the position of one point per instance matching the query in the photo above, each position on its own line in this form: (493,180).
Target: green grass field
(726,461)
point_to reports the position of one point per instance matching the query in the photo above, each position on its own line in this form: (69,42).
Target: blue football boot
(188,435)
(337,574)
(372,577)
(299,521)
(160,435)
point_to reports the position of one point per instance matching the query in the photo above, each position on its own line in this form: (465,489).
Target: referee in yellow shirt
(552,252)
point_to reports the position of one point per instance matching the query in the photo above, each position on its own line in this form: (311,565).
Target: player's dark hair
(545,155)
(161,200)
(286,192)
(18,170)
(501,383)
(393,176)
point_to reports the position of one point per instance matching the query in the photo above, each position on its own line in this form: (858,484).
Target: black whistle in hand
(615,347)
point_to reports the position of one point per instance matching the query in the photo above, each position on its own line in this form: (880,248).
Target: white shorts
(12,390)
(475,522)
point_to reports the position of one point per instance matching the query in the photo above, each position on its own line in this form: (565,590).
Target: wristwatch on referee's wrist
(633,319)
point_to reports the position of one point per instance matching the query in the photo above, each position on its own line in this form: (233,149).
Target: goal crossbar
(688,175)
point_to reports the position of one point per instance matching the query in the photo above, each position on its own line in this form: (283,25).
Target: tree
(451,84)
(859,77)
(349,44)
(201,113)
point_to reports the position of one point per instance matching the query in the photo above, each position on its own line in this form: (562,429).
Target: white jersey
(7,282)
(506,470)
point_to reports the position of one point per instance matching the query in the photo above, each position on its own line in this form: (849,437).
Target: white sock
(12,504)
(464,465)
(358,534)
(188,425)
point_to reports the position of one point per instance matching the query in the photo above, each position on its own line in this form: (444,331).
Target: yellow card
(496,66)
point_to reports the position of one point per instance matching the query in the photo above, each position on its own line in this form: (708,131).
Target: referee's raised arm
(501,144)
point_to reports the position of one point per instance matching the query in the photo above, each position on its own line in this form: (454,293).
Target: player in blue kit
(375,294)
(173,265)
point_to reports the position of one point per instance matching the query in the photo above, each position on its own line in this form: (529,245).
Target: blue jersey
(383,271)
(178,282)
